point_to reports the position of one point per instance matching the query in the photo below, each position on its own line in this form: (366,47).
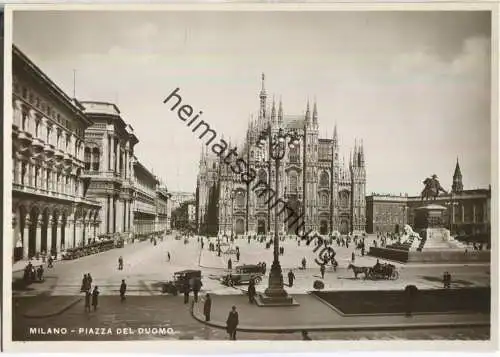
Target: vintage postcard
(249,174)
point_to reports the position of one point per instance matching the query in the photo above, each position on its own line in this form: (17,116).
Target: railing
(49,193)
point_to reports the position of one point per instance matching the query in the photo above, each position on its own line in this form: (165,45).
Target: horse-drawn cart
(383,271)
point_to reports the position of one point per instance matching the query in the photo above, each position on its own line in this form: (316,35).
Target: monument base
(441,256)
(264,300)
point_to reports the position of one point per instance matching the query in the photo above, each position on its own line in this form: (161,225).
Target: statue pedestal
(436,244)
(429,224)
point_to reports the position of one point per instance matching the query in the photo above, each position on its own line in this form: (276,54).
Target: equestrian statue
(432,188)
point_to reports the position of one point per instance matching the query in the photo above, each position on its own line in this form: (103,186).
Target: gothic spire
(273,111)
(263,88)
(280,112)
(362,155)
(308,113)
(458,173)
(315,113)
(457,185)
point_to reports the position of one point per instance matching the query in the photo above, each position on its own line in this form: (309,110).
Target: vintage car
(177,285)
(243,274)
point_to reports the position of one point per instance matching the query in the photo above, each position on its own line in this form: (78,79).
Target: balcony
(68,158)
(59,154)
(38,145)
(49,150)
(25,137)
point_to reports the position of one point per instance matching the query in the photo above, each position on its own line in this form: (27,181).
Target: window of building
(25,120)
(240,199)
(95,159)
(87,157)
(293,154)
(262,176)
(324,199)
(324,180)
(293,182)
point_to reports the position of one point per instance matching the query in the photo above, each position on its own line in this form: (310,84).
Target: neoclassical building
(49,209)
(328,192)
(75,174)
(468,211)
(109,158)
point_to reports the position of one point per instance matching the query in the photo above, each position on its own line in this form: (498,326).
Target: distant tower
(358,184)
(263,97)
(457,180)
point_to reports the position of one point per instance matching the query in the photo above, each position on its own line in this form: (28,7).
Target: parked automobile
(177,285)
(243,274)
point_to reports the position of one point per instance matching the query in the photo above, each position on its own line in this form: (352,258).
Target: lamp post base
(275,294)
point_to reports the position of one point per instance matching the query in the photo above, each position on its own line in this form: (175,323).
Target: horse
(431,190)
(358,270)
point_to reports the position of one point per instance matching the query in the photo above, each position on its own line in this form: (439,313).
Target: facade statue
(432,188)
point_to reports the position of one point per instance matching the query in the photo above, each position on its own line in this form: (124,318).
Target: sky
(414,86)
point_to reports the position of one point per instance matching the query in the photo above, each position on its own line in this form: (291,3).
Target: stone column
(60,229)
(113,222)
(51,223)
(38,222)
(124,215)
(104,153)
(18,113)
(112,153)
(26,235)
(69,233)
(474,220)
(119,214)
(78,232)
(463,213)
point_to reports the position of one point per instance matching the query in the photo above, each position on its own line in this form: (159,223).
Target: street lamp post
(275,294)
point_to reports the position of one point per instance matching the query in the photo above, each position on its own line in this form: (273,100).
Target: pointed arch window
(263,176)
(294,154)
(324,180)
(323,199)
(293,182)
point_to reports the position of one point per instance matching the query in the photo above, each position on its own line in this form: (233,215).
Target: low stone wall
(389,254)
(431,256)
(449,256)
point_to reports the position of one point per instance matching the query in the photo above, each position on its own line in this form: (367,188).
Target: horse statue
(432,188)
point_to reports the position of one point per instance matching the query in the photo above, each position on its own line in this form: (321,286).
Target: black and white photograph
(249,175)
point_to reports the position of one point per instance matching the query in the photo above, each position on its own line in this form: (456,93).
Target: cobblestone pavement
(146,266)
(170,312)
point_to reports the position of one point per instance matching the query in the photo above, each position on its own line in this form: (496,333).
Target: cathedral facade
(325,193)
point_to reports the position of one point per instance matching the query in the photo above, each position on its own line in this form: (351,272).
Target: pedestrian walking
(197,284)
(353,257)
(168,256)
(232,323)
(120,263)
(207,307)
(84,286)
(88,295)
(229,264)
(51,261)
(186,288)
(89,281)
(123,290)
(291,278)
(238,256)
(95,297)
(304,262)
(322,270)
(251,291)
